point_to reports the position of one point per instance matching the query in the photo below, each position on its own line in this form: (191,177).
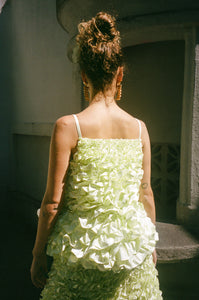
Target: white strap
(77,126)
(140,128)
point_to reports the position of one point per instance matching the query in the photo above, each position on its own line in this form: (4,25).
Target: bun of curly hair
(100,52)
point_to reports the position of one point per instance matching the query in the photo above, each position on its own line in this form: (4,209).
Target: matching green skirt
(76,282)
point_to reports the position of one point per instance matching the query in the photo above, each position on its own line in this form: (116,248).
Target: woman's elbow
(48,209)
(147,197)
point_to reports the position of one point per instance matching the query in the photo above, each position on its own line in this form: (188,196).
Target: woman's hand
(39,270)
(154,257)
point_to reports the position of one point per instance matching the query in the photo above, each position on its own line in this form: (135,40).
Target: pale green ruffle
(103,225)
(78,283)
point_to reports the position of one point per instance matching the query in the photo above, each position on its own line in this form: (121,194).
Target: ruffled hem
(107,239)
(75,282)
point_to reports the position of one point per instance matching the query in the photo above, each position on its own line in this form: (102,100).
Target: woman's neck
(102,99)
(106,97)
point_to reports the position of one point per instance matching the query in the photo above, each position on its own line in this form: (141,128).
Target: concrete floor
(177,281)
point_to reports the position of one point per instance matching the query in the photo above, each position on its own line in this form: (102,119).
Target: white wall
(44,88)
(43,77)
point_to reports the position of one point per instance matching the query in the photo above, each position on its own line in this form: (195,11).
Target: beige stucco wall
(43,88)
(42,74)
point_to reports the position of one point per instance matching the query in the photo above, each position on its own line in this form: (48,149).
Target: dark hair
(100,52)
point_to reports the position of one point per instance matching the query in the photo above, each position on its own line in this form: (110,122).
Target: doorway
(152,92)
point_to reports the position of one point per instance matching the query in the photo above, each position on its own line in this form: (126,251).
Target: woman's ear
(120,74)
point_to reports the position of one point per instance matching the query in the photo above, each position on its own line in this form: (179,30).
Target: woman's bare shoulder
(129,118)
(66,120)
(132,121)
(65,126)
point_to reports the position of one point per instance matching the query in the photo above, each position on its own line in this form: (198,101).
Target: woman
(97,216)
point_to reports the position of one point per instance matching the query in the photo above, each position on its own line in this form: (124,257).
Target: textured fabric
(103,240)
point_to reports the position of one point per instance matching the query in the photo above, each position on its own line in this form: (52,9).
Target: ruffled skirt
(75,282)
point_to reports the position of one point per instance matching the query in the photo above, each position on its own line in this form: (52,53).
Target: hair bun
(99,49)
(105,23)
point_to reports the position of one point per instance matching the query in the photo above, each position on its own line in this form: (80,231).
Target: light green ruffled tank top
(103,225)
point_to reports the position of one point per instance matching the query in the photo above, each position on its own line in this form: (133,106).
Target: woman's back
(107,121)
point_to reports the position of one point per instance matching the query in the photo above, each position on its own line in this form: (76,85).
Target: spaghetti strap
(77,126)
(140,128)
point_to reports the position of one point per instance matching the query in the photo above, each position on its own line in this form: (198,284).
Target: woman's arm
(62,141)
(146,193)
